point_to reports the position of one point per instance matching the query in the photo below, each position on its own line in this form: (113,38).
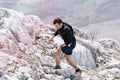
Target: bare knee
(56,53)
(68,58)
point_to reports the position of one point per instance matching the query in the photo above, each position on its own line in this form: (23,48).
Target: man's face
(58,26)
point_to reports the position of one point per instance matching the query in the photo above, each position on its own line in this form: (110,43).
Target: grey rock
(5,77)
(1,73)
(22,77)
(37,77)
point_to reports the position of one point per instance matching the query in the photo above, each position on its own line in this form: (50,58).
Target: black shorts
(69,48)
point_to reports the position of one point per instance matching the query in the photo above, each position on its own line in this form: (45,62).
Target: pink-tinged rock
(5,59)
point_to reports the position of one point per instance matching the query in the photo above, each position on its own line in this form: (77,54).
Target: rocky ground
(26,55)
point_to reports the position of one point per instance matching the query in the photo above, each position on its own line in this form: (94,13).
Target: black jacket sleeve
(56,33)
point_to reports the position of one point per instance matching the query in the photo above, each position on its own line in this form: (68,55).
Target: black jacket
(67,34)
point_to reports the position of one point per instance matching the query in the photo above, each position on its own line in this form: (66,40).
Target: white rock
(83,57)
(110,44)
(25,69)
(30,79)
(5,59)
(95,78)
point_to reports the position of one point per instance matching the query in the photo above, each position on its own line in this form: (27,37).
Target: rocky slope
(26,55)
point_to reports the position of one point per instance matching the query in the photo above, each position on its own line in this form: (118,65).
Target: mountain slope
(26,55)
(109,29)
(76,12)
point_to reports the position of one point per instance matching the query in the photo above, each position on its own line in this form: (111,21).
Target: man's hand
(63,45)
(50,40)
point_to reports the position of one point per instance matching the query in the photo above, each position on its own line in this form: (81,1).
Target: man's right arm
(55,34)
(51,39)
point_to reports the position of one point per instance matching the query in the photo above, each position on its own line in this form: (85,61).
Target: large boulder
(83,57)
(20,29)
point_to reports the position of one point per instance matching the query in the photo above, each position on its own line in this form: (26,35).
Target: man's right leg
(57,57)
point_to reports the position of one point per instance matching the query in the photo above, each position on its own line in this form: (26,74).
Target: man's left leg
(72,63)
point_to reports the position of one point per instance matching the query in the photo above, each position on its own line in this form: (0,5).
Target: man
(67,34)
